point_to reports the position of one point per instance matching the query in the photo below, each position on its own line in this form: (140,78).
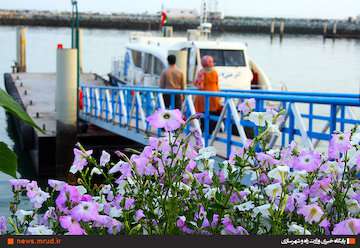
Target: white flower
(56,185)
(116,168)
(206,153)
(82,190)
(21,214)
(263,210)
(279,173)
(95,171)
(115,212)
(184,186)
(210,193)
(355,139)
(299,176)
(273,128)
(39,198)
(245,206)
(40,230)
(353,206)
(298,230)
(104,159)
(260,118)
(273,190)
(121,187)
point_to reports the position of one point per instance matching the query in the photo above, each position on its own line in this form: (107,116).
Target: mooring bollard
(282,29)
(272,28)
(325,28)
(334,31)
(21,49)
(66,107)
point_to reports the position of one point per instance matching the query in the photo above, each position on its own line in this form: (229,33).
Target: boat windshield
(225,57)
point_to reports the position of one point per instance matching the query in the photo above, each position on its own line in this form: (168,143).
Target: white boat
(146,57)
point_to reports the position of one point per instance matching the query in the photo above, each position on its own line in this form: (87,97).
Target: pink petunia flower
(347,227)
(339,143)
(170,120)
(85,211)
(312,213)
(308,161)
(70,224)
(80,160)
(18,184)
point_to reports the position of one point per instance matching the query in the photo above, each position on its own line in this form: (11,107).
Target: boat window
(136,58)
(225,57)
(158,66)
(148,63)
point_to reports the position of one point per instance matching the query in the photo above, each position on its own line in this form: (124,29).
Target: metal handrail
(115,108)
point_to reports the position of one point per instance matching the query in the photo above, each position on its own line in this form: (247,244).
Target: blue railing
(123,110)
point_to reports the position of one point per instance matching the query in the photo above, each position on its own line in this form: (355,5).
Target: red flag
(164,18)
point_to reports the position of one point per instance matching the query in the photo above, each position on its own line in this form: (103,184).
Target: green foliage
(8,160)
(11,106)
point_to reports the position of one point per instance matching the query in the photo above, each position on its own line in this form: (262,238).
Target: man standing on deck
(172,78)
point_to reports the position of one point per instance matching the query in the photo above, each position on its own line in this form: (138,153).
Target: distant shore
(152,22)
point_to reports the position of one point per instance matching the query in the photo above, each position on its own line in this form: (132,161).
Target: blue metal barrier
(123,110)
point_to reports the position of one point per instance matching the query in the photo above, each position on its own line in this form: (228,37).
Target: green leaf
(14,108)
(8,160)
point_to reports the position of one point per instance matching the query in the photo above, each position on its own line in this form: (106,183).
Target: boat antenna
(205,26)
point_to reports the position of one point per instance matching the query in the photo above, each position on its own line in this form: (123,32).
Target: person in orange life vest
(208,80)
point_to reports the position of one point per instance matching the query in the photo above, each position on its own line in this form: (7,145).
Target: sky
(261,8)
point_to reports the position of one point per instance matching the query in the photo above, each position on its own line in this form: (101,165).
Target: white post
(65,107)
(21,49)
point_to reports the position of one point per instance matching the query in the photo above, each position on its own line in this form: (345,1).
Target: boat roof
(159,46)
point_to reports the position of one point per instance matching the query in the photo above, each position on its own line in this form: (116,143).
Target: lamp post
(75,44)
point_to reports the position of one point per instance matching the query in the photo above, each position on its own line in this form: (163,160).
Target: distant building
(189,14)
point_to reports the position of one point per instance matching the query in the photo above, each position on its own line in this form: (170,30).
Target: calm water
(303,63)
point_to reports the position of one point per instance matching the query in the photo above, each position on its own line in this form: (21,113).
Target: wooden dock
(35,92)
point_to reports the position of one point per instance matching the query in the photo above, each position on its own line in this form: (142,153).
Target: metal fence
(123,110)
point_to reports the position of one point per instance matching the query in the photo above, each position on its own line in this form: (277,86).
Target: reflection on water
(303,63)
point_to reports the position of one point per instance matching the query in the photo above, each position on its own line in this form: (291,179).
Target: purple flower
(170,120)
(229,228)
(190,166)
(205,223)
(129,203)
(3,225)
(312,213)
(290,204)
(347,227)
(215,220)
(308,161)
(247,106)
(326,225)
(80,160)
(32,188)
(18,184)
(69,195)
(181,222)
(70,224)
(237,197)
(85,211)
(104,159)
(203,178)
(340,143)
(139,214)
(266,159)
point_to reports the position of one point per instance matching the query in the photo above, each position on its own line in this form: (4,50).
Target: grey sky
(268,8)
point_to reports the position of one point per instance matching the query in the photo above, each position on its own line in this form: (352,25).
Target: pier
(345,28)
